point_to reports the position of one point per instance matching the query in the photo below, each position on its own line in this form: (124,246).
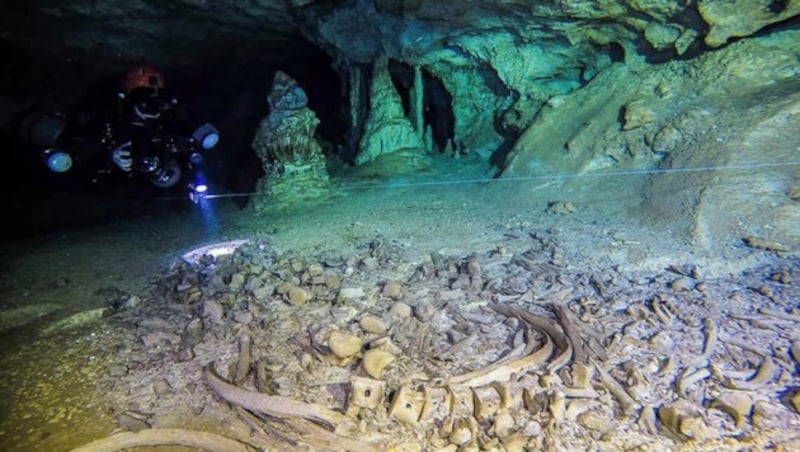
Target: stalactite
(419,122)
(386,129)
(356,99)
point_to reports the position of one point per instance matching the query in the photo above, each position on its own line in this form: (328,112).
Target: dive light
(207,135)
(198,189)
(57,161)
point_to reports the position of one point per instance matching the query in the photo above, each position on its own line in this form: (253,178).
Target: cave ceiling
(180,33)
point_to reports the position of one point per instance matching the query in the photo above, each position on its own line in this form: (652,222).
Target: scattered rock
(369,264)
(424,311)
(162,388)
(263,293)
(315,270)
(243,317)
(157,337)
(132,421)
(211,310)
(253,284)
(350,293)
(331,280)
(374,325)
(193,333)
(682,284)
(637,114)
(400,310)
(667,139)
(561,207)
(237,282)
(191,295)
(131,302)
(117,371)
(473,267)
(186,354)
(344,345)
(393,290)
(155,324)
(299,296)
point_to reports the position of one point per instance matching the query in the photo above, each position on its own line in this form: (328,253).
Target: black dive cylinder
(40,128)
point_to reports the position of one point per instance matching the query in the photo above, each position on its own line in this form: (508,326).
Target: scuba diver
(147,112)
(153,123)
(141,134)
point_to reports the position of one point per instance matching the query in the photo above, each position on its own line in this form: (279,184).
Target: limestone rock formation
(285,142)
(643,119)
(387,128)
(728,19)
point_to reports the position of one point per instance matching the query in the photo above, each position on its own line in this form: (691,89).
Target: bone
(407,405)
(626,401)
(502,371)
(243,365)
(711,338)
(276,406)
(766,371)
(780,314)
(164,437)
(689,378)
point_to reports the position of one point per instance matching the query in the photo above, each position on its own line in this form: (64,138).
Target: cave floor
(704,342)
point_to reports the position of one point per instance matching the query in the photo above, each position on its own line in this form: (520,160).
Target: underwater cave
(399,225)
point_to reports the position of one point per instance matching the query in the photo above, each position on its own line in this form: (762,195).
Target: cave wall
(503,61)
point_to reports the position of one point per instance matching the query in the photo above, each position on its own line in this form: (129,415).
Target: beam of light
(207,216)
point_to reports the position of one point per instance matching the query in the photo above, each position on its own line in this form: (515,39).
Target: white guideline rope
(487,180)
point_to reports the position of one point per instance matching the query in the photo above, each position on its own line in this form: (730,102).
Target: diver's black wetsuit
(151,114)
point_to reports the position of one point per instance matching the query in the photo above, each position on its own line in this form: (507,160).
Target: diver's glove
(122,158)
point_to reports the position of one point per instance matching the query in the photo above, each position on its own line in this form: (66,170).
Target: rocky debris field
(518,348)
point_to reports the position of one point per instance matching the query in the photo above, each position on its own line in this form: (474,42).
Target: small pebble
(424,311)
(243,317)
(117,371)
(131,302)
(400,310)
(344,345)
(392,290)
(315,270)
(161,388)
(682,284)
(298,296)
(185,355)
(349,293)
(237,282)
